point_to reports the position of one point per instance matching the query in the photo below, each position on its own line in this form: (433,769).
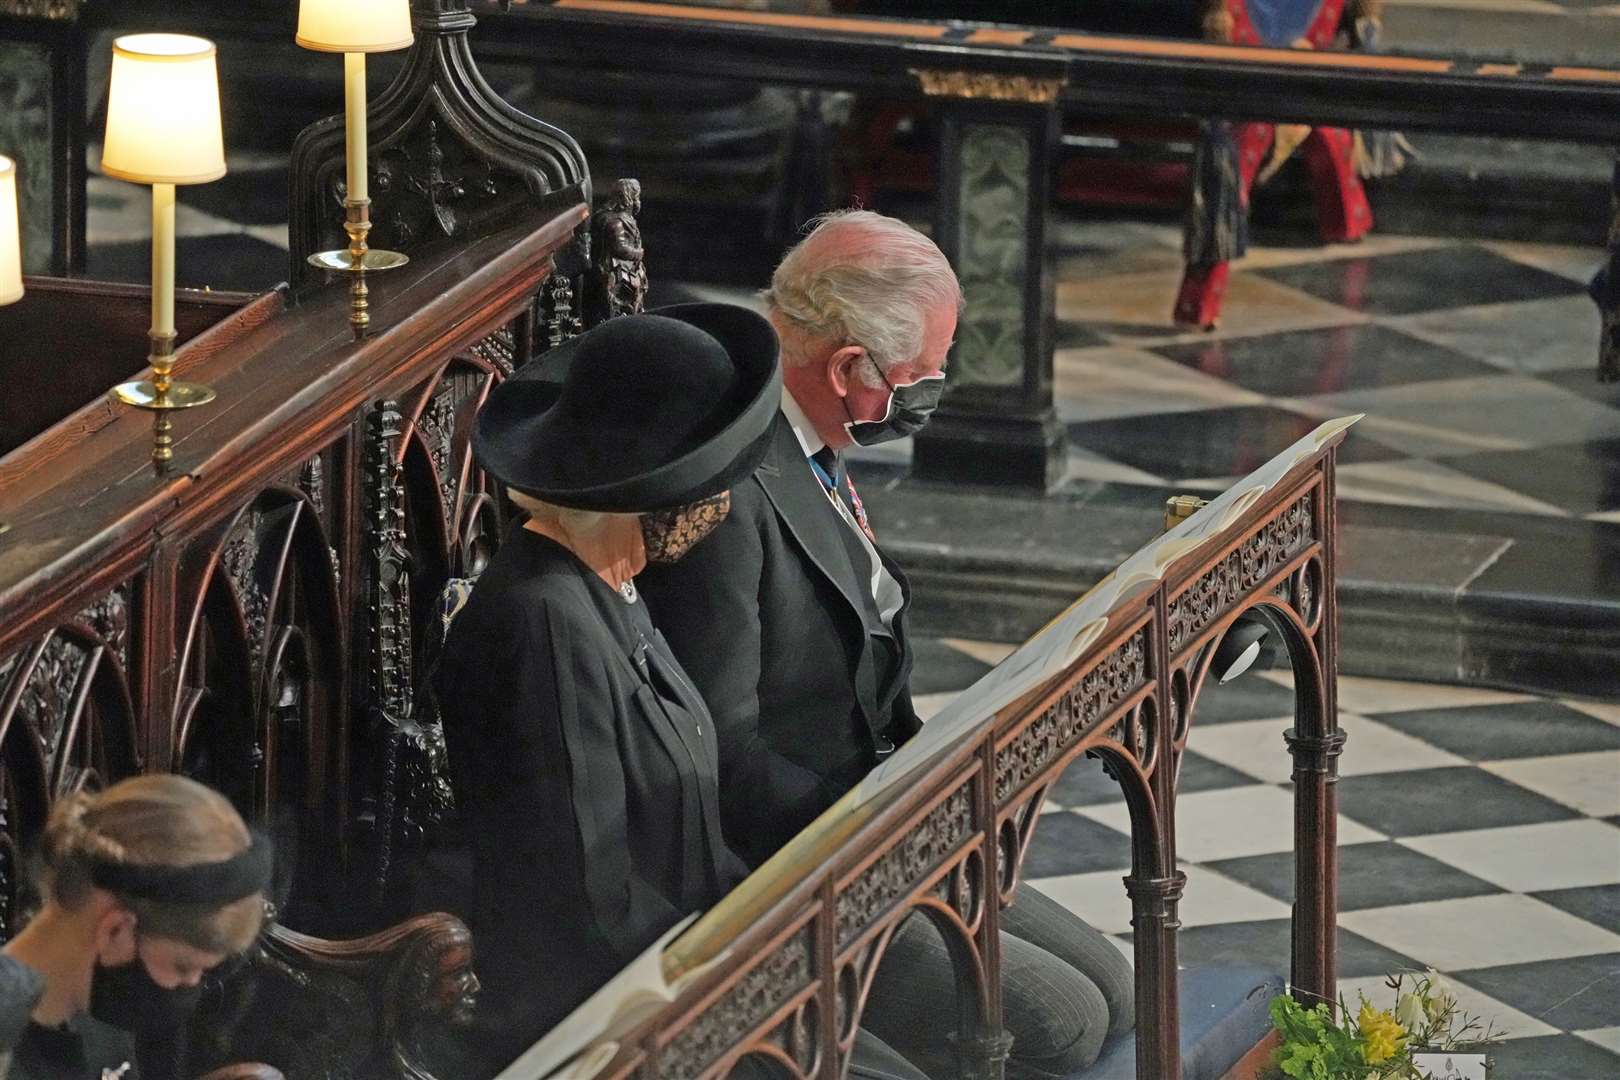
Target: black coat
(772,615)
(585,769)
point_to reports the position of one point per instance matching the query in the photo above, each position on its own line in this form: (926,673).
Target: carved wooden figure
(619,270)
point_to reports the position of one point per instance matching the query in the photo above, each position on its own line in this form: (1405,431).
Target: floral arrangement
(1319,1042)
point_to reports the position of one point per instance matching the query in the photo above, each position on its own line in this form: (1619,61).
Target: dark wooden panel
(1153,77)
(94,334)
(285,388)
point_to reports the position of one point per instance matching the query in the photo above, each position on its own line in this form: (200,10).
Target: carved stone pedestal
(996,425)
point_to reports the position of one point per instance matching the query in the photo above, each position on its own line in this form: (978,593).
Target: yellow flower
(1381,1034)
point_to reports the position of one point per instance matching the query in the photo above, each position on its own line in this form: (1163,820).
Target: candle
(354,86)
(162,259)
(11,283)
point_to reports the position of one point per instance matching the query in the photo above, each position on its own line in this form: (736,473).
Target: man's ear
(115,935)
(841,367)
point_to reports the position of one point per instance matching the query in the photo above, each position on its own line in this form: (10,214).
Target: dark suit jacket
(585,769)
(772,616)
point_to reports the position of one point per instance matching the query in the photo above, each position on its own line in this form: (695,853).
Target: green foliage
(1324,1042)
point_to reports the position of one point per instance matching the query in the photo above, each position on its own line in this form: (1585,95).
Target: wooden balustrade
(247,616)
(781,966)
(241,618)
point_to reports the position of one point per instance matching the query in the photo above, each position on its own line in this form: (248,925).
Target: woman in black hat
(585,763)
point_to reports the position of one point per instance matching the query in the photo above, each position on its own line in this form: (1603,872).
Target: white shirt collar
(802,427)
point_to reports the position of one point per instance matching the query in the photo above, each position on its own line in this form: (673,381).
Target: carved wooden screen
(265,633)
(799,943)
(450,159)
(67,721)
(218,620)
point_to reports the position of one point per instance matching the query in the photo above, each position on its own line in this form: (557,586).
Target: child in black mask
(148,886)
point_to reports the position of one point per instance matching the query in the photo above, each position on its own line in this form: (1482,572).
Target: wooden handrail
(289,377)
(944,824)
(233,618)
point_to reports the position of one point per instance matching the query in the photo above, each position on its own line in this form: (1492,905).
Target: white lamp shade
(163,111)
(354,26)
(11,286)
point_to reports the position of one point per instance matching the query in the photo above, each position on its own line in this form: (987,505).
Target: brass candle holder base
(161,395)
(358,261)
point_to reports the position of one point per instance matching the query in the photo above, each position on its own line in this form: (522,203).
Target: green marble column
(997,425)
(25,137)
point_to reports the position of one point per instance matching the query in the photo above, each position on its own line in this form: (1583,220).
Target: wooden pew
(246,617)
(215,620)
(781,967)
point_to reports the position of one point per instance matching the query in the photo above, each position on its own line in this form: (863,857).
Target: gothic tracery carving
(499,351)
(1251,562)
(436,426)
(898,870)
(451,159)
(239,558)
(1071,716)
(413,767)
(760,992)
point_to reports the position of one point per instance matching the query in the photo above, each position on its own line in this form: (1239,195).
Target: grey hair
(572,522)
(861,278)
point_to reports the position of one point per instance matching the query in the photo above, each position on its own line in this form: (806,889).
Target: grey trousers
(1065,988)
(870,1059)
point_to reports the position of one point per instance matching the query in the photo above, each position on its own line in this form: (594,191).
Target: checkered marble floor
(1479,835)
(1473,361)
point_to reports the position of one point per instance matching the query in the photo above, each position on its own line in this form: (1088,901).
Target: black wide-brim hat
(642,412)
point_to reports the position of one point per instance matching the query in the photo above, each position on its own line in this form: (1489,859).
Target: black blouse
(586,769)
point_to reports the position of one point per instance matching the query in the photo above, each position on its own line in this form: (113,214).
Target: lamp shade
(163,111)
(354,26)
(11,286)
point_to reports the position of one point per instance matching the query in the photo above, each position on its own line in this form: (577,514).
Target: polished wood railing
(239,617)
(251,615)
(782,966)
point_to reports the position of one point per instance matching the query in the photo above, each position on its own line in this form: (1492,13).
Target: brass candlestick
(161,395)
(163,129)
(357,261)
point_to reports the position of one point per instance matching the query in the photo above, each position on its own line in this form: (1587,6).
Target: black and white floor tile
(1479,835)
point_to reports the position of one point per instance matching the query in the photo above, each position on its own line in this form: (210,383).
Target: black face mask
(126,996)
(910,406)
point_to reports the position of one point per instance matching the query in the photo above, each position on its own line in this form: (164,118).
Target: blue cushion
(1224,1012)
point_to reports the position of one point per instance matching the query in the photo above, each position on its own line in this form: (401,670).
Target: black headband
(219,883)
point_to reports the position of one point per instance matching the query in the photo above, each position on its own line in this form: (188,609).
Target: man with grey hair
(791,620)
